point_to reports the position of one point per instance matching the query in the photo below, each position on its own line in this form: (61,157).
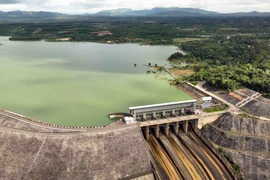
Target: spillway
(161,157)
(185,156)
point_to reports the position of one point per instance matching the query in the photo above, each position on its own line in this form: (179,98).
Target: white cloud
(90,6)
(9,1)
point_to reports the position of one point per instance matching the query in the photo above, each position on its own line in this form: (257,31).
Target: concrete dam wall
(33,151)
(112,154)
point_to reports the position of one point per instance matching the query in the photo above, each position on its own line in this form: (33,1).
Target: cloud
(24,2)
(10,1)
(89,4)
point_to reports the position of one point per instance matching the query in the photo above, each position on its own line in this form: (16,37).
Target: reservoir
(78,84)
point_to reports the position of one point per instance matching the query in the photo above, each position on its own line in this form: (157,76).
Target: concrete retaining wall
(209,118)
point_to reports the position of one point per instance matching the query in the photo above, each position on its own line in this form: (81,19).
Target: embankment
(246,140)
(115,154)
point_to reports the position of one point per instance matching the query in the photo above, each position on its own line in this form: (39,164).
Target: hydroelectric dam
(178,149)
(164,143)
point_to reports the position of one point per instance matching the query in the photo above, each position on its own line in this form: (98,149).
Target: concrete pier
(144,116)
(176,127)
(182,111)
(173,112)
(164,113)
(134,116)
(157,131)
(167,129)
(185,126)
(146,132)
(154,114)
(195,123)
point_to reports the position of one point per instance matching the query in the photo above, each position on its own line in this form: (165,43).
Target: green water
(78,84)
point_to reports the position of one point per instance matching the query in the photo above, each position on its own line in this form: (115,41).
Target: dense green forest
(176,56)
(144,30)
(231,62)
(233,50)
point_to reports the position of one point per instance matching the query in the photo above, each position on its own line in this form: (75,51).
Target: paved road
(90,131)
(232,108)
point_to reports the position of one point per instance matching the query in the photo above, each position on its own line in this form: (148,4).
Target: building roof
(207,98)
(163,104)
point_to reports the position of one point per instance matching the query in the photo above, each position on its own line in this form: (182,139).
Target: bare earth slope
(258,107)
(248,100)
(246,140)
(108,155)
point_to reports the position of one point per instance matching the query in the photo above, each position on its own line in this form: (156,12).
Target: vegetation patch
(245,115)
(235,167)
(205,127)
(230,62)
(182,72)
(194,83)
(182,40)
(216,109)
(177,56)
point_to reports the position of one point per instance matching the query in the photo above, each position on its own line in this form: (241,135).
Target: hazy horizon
(94,6)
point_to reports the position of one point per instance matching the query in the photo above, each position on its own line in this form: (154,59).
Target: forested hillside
(231,62)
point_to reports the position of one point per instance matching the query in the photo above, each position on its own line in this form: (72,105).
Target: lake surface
(78,84)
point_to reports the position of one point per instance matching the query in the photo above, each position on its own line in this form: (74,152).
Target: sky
(92,6)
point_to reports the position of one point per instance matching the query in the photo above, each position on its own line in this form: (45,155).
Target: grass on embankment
(216,109)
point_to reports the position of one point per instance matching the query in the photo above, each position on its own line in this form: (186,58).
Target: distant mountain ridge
(28,14)
(174,11)
(253,13)
(124,12)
